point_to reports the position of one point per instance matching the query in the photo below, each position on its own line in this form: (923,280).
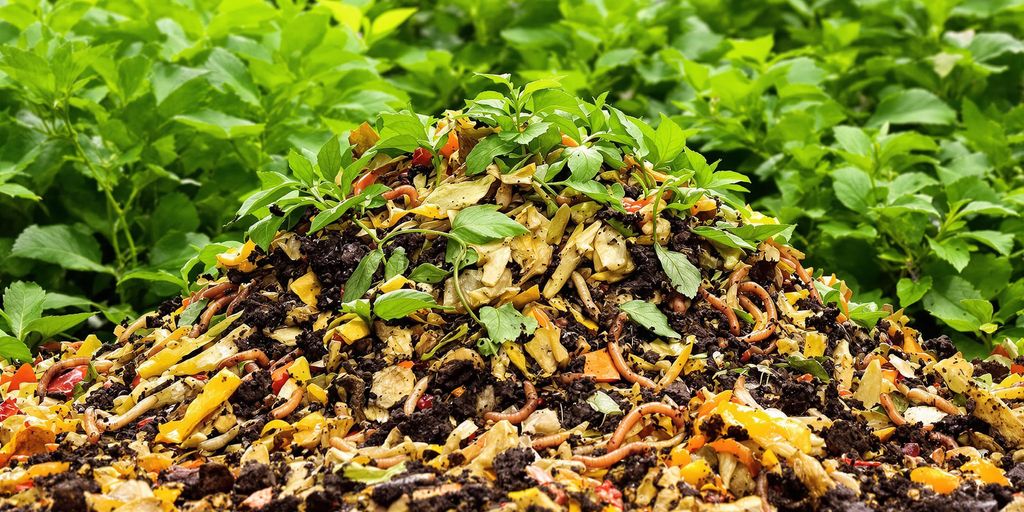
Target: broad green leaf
(505,323)
(953,251)
(48,326)
(12,349)
(723,237)
(428,273)
(396,264)
(389,20)
(669,139)
(852,187)
(220,125)
(484,153)
(685,277)
(910,291)
(584,162)
(400,303)
(301,167)
(912,106)
(23,303)
(71,247)
(649,317)
(484,223)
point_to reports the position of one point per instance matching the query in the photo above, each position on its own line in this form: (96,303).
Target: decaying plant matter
(591,326)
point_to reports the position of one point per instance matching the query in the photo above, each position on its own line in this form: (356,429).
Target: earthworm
(630,420)
(285,359)
(216,290)
(408,191)
(552,440)
(139,323)
(616,355)
(118,422)
(91,427)
(248,355)
(804,277)
(216,443)
(583,291)
(239,297)
(59,366)
(387,462)
(751,287)
(208,314)
(890,409)
(620,364)
(730,315)
(612,457)
(923,396)
(414,397)
(738,275)
(515,418)
(755,350)
(283,410)
(751,308)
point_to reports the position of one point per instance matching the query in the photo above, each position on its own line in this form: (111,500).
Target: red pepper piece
(609,494)
(425,402)
(8,408)
(633,206)
(422,156)
(25,374)
(66,382)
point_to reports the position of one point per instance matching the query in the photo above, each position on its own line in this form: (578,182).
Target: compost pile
(478,341)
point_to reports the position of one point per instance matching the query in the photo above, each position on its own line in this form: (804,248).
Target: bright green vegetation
(890,132)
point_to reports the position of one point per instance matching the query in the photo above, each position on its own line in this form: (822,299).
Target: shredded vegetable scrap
(464,335)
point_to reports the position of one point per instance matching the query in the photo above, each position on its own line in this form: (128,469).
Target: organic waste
(537,304)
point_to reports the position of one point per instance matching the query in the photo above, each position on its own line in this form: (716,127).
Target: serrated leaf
(23,303)
(71,247)
(910,291)
(685,277)
(953,251)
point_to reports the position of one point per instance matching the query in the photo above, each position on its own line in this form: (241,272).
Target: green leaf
(484,223)
(361,279)
(227,69)
(13,350)
(428,273)
(604,404)
(71,247)
(584,163)
(505,323)
(998,241)
(48,326)
(484,153)
(329,158)
(811,366)
(852,187)
(912,106)
(264,230)
(910,291)
(649,317)
(759,232)
(23,303)
(388,21)
(220,125)
(301,167)
(953,251)
(400,303)
(723,237)
(396,264)
(669,139)
(192,312)
(685,277)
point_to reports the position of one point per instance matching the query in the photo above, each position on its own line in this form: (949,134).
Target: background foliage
(890,131)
